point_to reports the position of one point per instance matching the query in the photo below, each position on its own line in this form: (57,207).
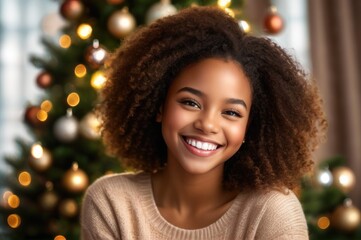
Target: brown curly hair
(286,121)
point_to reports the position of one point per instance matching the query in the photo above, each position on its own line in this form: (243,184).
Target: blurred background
(52,53)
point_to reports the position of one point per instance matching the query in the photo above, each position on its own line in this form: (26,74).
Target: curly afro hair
(286,122)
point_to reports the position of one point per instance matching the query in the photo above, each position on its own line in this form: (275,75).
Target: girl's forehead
(213,75)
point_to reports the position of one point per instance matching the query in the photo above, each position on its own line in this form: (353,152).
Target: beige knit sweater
(122,207)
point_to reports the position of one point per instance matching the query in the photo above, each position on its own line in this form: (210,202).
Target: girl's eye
(190,102)
(232,113)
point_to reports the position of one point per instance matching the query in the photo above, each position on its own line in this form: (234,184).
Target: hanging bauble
(96,55)
(40,159)
(159,10)
(121,23)
(66,128)
(68,208)
(75,180)
(273,22)
(71,9)
(44,79)
(49,198)
(31,116)
(343,178)
(324,177)
(346,217)
(114,2)
(90,126)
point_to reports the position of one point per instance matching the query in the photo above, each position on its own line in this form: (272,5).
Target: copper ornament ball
(273,23)
(44,80)
(71,9)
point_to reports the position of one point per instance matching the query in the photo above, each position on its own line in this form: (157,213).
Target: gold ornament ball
(42,163)
(48,200)
(121,23)
(346,218)
(343,178)
(68,208)
(71,9)
(75,180)
(159,10)
(90,126)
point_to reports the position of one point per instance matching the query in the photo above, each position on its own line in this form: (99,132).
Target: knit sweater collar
(168,229)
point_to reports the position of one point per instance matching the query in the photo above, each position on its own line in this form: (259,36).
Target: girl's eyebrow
(201,94)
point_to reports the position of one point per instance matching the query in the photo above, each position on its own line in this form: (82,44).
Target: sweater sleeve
(96,216)
(283,219)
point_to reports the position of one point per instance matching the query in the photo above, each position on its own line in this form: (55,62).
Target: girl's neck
(189,192)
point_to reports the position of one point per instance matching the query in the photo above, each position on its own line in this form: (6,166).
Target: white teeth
(201,145)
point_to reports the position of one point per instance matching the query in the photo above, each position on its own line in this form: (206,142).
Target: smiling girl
(221,127)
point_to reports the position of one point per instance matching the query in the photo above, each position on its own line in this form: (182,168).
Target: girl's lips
(212,148)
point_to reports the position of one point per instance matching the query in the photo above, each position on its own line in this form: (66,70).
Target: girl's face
(205,115)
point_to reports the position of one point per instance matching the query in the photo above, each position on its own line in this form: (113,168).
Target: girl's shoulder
(118,184)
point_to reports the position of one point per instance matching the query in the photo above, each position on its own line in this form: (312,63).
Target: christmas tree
(49,175)
(329,211)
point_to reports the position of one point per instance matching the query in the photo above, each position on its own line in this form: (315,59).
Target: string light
(80,70)
(14,201)
(24,178)
(323,222)
(65,41)
(224,3)
(42,115)
(97,80)
(230,12)
(46,106)
(37,150)
(6,195)
(14,220)
(60,237)
(84,31)
(245,26)
(73,99)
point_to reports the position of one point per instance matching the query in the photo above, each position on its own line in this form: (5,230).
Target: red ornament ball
(114,2)
(44,80)
(71,9)
(30,116)
(273,23)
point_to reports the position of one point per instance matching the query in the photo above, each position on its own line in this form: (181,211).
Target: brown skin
(189,191)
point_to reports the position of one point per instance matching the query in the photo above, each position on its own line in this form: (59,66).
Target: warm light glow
(6,195)
(84,31)
(73,99)
(65,41)
(14,220)
(46,106)
(13,201)
(59,237)
(224,3)
(323,222)
(37,151)
(80,70)
(230,12)
(98,79)
(245,26)
(345,179)
(42,115)
(325,178)
(24,178)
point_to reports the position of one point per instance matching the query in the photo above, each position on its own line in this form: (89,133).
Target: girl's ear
(159,114)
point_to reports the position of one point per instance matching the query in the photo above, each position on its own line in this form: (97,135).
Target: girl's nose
(207,123)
